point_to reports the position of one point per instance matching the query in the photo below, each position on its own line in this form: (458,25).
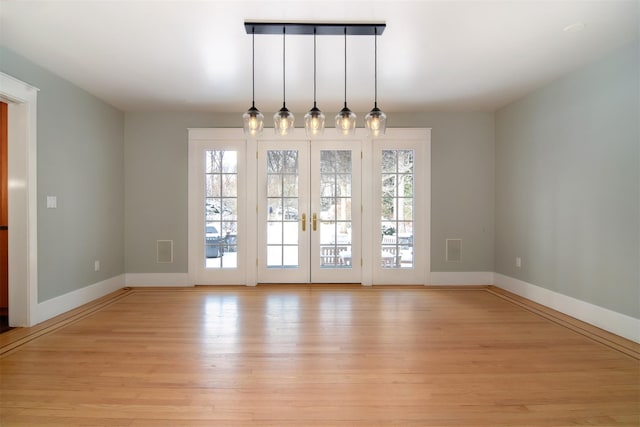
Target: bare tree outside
(396,227)
(221,208)
(335,204)
(282,208)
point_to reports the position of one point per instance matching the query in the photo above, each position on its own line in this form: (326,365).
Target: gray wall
(567,185)
(156,190)
(462,186)
(80,160)
(552,178)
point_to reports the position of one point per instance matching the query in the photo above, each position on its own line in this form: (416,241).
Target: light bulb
(346,122)
(253,121)
(314,122)
(284,121)
(376,122)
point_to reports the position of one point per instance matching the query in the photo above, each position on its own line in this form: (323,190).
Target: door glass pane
(335,208)
(396,226)
(282,208)
(221,209)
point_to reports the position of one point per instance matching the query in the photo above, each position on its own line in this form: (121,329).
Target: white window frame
(418,140)
(200,141)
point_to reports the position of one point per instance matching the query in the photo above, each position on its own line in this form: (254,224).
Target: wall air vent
(454,250)
(164,251)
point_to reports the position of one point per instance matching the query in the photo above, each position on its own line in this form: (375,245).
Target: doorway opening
(21,100)
(4,220)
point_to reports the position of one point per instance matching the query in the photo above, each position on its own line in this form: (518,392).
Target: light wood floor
(314,356)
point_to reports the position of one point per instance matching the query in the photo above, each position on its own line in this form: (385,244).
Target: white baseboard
(50,308)
(461,278)
(620,324)
(158,279)
(609,320)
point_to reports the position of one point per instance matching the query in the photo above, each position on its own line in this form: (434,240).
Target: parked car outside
(214,242)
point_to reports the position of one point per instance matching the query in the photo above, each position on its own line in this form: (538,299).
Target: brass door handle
(304,222)
(315,222)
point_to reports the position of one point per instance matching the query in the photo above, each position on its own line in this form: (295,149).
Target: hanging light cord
(253,67)
(284,69)
(314,67)
(375,67)
(345,67)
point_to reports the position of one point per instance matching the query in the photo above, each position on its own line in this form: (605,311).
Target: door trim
(4,218)
(338,275)
(299,135)
(301,274)
(23,214)
(418,140)
(200,140)
(423,135)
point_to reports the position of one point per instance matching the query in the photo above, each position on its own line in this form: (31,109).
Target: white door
(400,207)
(290,210)
(219,249)
(336,212)
(309,211)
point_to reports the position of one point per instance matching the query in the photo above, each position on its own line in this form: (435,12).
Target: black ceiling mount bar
(321,28)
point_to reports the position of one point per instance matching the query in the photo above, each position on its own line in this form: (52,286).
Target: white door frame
(200,140)
(420,135)
(353,274)
(23,202)
(300,274)
(418,140)
(309,269)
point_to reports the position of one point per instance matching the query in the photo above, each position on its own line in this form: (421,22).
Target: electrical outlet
(96,265)
(518,262)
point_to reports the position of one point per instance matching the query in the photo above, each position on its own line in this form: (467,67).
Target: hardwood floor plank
(315,356)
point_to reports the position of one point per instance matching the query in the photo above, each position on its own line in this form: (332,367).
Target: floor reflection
(282,320)
(221,323)
(335,309)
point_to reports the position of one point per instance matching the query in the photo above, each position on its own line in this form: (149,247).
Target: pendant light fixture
(314,119)
(283,119)
(376,119)
(253,119)
(346,119)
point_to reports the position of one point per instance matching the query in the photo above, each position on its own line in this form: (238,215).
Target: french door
(309,211)
(218,208)
(293,210)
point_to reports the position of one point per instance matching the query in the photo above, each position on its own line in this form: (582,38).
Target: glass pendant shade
(283,121)
(253,121)
(314,122)
(314,119)
(346,121)
(376,122)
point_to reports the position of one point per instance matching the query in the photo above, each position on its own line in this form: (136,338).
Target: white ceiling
(195,55)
